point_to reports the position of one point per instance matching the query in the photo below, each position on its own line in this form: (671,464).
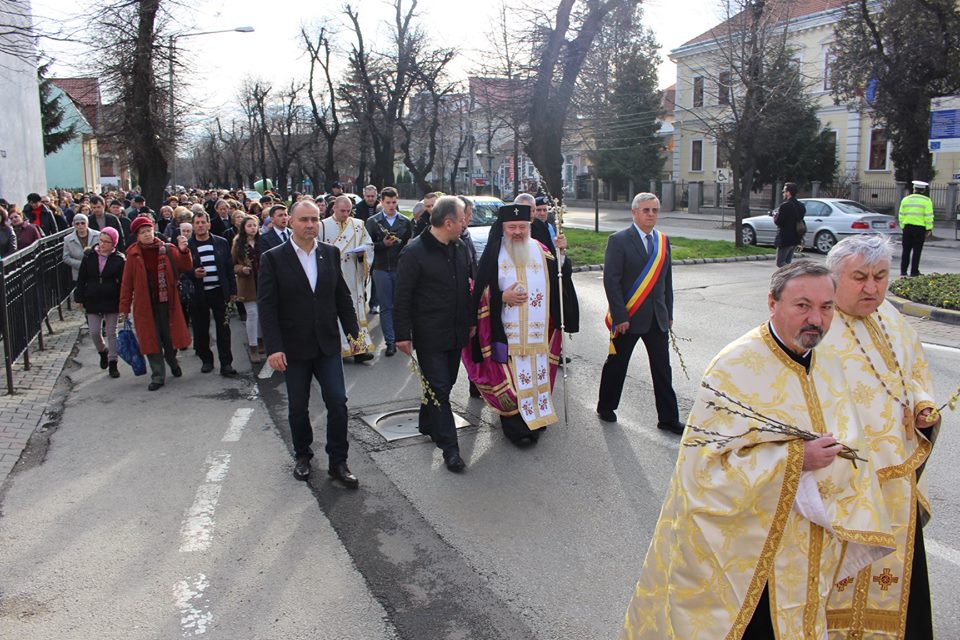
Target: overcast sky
(220,62)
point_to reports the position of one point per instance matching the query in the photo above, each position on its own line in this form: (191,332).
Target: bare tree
(286,131)
(253,102)
(563,47)
(421,122)
(382,82)
(323,101)
(128,69)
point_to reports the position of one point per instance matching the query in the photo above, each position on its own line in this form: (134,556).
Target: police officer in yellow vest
(916,220)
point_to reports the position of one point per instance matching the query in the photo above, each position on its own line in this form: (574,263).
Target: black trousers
(760,626)
(328,372)
(913,238)
(440,368)
(919,624)
(205,303)
(615,372)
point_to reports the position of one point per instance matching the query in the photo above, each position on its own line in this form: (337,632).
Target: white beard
(519,252)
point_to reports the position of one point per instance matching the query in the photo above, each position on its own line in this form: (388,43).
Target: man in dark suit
(278,233)
(301,295)
(629,253)
(788,218)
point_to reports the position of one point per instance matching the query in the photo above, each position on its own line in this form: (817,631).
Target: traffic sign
(724,175)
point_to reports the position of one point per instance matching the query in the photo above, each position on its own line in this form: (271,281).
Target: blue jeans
(385,280)
(328,371)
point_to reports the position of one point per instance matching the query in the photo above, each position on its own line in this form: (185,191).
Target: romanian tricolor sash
(644,283)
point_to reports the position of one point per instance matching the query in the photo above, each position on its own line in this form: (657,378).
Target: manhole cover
(397,425)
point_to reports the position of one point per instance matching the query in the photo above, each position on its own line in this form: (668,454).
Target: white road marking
(942,551)
(194,606)
(218,463)
(940,347)
(239,420)
(197,530)
(265,371)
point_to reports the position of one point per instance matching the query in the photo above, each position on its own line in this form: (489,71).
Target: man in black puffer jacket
(432,314)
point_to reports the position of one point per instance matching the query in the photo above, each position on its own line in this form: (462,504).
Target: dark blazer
(295,320)
(224,262)
(268,240)
(786,218)
(387,258)
(623,261)
(219,226)
(111,221)
(431,300)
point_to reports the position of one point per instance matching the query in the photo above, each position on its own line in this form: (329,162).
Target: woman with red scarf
(150,284)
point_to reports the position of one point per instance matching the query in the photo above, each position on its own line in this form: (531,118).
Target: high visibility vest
(916,209)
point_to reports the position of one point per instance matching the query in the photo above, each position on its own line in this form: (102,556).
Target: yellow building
(863,151)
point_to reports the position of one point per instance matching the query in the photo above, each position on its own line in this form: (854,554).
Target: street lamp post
(170,49)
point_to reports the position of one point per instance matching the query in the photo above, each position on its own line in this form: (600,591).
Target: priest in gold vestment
(891,387)
(757,524)
(356,254)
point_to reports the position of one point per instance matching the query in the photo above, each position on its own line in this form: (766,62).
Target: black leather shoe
(206,367)
(362,357)
(454,462)
(114,372)
(391,349)
(227,371)
(672,427)
(302,469)
(341,472)
(103,359)
(607,415)
(153,386)
(176,371)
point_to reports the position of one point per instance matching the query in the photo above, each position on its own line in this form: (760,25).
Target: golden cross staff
(558,210)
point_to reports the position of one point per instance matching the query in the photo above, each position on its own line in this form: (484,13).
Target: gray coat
(623,262)
(73,250)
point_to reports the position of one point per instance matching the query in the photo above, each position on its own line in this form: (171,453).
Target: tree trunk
(544,151)
(149,155)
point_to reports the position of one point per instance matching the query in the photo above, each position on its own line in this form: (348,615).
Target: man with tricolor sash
(638,282)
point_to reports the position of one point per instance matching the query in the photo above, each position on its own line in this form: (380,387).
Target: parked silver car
(485,210)
(828,221)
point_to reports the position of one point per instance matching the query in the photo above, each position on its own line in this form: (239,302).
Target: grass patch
(587,247)
(936,289)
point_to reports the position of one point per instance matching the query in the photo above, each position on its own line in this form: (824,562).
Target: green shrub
(937,289)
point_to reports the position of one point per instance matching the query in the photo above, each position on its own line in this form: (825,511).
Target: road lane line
(196,534)
(239,420)
(194,606)
(218,463)
(942,551)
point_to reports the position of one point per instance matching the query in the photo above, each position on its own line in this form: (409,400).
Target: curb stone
(910,308)
(599,267)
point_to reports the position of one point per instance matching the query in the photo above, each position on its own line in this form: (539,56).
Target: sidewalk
(31,407)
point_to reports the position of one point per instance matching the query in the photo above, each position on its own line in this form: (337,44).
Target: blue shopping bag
(129,349)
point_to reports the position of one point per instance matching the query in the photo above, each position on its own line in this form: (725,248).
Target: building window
(723,88)
(829,57)
(696,156)
(698,92)
(878,150)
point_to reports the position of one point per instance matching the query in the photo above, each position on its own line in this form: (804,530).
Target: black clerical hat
(514,213)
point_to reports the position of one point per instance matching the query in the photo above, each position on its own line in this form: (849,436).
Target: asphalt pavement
(175,514)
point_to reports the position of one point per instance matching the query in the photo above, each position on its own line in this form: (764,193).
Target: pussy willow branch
(674,338)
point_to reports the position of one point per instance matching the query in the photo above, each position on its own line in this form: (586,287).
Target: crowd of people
(768,530)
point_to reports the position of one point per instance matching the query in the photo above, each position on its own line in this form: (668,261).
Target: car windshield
(849,206)
(484,214)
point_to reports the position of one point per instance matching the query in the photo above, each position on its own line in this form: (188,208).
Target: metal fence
(33,281)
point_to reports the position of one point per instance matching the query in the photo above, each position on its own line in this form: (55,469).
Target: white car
(828,221)
(485,211)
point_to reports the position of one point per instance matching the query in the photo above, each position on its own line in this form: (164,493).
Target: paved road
(175,515)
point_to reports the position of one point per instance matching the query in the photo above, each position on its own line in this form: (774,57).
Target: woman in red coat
(150,284)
